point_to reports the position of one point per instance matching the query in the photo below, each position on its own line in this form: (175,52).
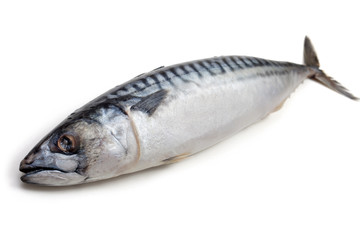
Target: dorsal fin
(150,103)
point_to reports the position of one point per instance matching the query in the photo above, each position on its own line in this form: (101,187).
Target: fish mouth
(30,170)
(26,178)
(34,170)
(50,173)
(49,176)
(53,178)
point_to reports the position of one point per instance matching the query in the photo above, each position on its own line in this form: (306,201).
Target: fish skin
(165,115)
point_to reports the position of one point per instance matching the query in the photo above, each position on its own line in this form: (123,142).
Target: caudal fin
(311,60)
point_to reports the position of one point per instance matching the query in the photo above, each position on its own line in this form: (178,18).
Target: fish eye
(68,143)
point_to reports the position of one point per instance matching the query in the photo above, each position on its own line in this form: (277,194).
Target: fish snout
(35,162)
(26,164)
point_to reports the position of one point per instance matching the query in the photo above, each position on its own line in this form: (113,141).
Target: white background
(295,175)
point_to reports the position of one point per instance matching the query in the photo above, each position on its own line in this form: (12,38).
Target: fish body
(219,97)
(166,115)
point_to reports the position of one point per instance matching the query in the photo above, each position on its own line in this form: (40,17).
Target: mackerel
(165,115)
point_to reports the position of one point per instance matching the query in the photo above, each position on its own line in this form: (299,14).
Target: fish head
(83,150)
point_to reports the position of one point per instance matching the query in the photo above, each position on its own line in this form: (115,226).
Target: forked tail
(311,60)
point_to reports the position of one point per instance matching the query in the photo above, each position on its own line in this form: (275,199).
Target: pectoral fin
(150,103)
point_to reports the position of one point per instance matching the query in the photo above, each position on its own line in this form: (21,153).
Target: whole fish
(166,115)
